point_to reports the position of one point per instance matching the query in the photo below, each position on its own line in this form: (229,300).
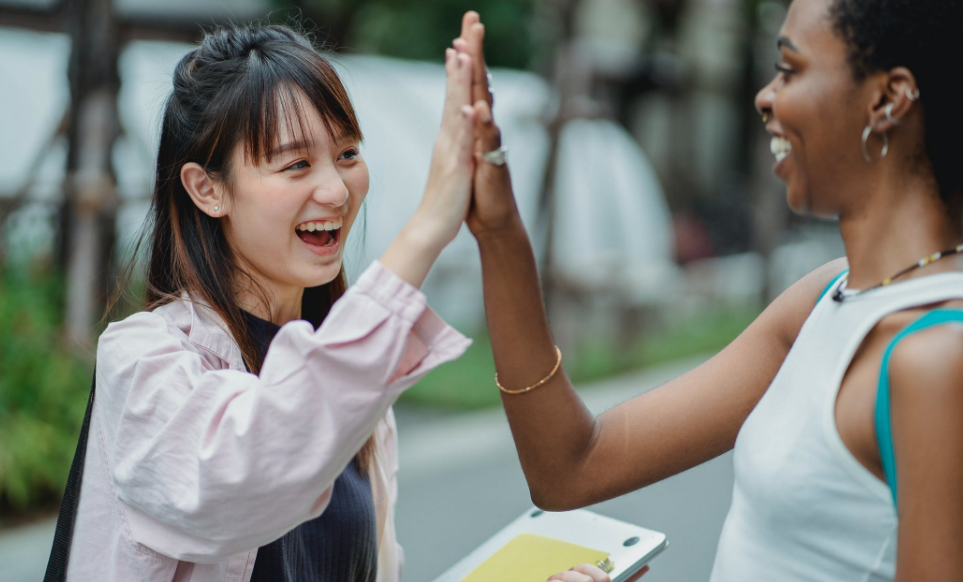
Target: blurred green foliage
(422,30)
(467,383)
(43,392)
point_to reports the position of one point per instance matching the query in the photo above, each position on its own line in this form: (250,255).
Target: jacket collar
(210,332)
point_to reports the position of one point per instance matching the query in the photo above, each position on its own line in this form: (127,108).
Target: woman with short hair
(843,399)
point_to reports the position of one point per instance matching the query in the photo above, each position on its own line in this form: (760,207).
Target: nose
(330,189)
(765,97)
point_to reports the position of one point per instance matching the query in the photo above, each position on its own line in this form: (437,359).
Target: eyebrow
(294,145)
(304,145)
(785,42)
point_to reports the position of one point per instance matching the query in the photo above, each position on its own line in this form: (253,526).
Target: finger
(571,576)
(593,572)
(471,17)
(458,72)
(465,135)
(472,42)
(487,135)
(476,46)
(638,575)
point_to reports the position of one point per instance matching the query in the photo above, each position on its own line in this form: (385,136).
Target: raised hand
(448,192)
(444,205)
(493,206)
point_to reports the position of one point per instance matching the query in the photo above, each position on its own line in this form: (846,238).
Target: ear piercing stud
(217,209)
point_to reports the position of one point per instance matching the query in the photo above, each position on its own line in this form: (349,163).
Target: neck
(899,220)
(271,302)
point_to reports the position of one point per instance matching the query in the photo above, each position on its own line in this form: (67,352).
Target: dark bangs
(280,78)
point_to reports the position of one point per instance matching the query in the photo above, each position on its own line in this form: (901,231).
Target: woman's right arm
(209,462)
(570,457)
(445,203)
(573,459)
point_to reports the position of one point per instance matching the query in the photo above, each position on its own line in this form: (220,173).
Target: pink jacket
(193,463)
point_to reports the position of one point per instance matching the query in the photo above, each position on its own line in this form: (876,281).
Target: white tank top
(803,508)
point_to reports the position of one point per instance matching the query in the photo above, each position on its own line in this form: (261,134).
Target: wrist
(425,233)
(510,233)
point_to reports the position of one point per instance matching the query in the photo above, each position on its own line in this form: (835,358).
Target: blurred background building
(639,164)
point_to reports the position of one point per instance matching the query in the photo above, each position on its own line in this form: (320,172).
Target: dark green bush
(43,392)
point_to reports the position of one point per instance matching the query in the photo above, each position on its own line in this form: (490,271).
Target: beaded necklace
(843,293)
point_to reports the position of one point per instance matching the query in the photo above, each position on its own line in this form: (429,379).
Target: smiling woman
(843,400)
(242,427)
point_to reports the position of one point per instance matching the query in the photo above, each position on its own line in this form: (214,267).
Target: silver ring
(496,157)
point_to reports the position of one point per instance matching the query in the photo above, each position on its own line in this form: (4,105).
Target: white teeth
(780,147)
(321,225)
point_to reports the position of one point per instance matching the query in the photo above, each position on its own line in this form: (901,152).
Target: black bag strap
(57,565)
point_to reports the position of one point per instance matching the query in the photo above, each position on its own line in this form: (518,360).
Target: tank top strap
(831,285)
(882,416)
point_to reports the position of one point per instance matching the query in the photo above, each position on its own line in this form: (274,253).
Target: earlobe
(202,189)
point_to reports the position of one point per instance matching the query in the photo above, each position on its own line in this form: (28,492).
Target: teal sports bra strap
(883,419)
(830,286)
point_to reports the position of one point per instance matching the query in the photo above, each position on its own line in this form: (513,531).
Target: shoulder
(143,334)
(168,319)
(811,287)
(788,312)
(928,366)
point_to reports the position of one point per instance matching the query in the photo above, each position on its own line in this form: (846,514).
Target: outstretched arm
(570,457)
(445,202)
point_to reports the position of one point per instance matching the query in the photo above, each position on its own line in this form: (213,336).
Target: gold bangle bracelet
(551,374)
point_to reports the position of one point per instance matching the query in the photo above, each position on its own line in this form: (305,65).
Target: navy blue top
(341,544)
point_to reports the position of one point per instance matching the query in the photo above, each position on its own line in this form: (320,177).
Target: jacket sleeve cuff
(431,342)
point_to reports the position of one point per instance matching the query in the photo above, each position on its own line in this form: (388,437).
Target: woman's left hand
(590,573)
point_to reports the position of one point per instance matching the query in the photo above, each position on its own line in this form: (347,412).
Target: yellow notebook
(532,558)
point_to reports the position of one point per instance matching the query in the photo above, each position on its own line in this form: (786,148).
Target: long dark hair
(229,92)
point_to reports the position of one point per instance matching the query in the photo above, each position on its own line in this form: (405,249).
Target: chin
(799,199)
(325,275)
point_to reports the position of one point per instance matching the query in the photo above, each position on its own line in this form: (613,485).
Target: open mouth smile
(780,147)
(322,237)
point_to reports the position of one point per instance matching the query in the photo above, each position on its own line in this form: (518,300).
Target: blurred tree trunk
(88,213)
(570,80)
